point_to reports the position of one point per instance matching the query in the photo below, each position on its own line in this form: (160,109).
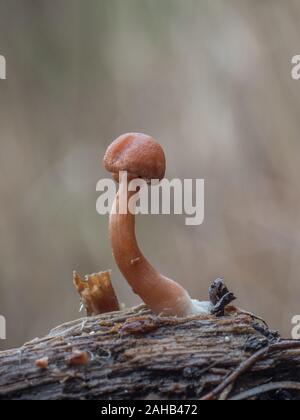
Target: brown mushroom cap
(138,154)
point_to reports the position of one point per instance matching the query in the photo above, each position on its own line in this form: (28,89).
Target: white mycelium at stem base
(141,156)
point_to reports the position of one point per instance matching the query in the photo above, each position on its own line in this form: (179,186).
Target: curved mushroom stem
(162,295)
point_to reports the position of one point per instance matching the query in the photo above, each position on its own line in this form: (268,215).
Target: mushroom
(142,157)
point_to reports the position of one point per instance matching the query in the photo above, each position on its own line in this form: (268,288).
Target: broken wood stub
(96,293)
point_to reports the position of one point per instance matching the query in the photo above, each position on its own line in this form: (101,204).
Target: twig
(220,297)
(258,318)
(219,309)
(225,394)
(248,364)
(265,388)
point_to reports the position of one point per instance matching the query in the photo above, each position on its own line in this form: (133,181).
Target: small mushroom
(42,363)
(78,358)
(142,157)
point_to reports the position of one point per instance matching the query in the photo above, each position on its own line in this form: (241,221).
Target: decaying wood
(133,354)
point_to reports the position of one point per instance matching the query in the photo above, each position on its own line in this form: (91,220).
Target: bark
(133,354)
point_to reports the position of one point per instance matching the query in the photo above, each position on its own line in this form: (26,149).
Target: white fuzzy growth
(201,308)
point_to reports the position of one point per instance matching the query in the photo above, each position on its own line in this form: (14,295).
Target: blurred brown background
(211,81)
